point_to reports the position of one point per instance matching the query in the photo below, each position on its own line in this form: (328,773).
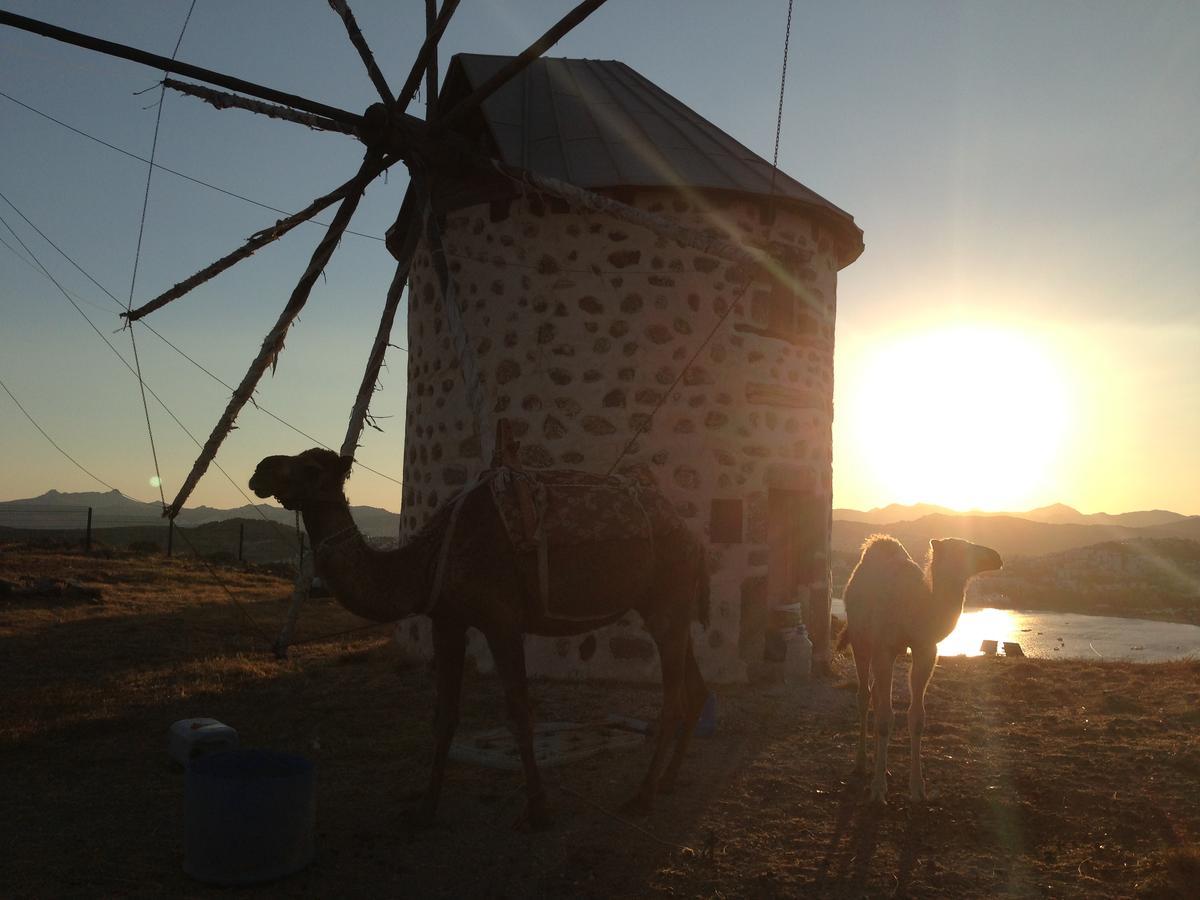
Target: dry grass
(1057,777)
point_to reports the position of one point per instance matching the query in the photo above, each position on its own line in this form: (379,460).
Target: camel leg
(862,665)
(923,660)
(672,652)
(695,695)
(509,652)
(882,665)
(449,652)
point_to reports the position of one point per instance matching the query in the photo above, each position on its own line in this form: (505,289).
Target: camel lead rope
(300,593)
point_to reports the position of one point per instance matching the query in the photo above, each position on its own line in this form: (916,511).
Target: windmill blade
(428,49)
(360,44)
(225,100)
(262,238)
(518,64)
(431,69)
(409,222)
(166,64)
(273,343)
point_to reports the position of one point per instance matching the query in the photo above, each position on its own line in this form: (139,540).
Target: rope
(628,823)
(646,423)
(277,528)
(178,174)
(146,410)
(126,364)
(54,444)
(787,39)
(258,631)
(137,256)
(212,571)
(162,337)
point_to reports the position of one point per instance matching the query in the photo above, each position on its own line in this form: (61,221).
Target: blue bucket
(707,726)
(248,816)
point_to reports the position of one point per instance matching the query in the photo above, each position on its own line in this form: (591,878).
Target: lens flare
(967,416)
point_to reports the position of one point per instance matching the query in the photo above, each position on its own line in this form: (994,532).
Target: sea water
(1055,635)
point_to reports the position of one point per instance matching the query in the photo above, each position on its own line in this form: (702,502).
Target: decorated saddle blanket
(569,521)
(571,507)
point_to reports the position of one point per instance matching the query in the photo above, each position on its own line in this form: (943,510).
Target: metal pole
(241,540)
(87,537)
(170,536)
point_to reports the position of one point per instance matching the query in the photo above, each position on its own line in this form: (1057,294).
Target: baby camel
(892,605)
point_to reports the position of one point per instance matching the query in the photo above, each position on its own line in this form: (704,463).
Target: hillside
(1055,514)
(56,510)
(1008,535)
(262,542)
(1055,778)
(1142,577)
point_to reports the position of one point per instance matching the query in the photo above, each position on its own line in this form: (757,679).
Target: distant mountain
(1008,535)
(1060,513)
(1055,514)
(895,512)
(1153,577)
(56,510)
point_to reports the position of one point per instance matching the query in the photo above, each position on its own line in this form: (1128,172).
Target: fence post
(170,536)
(87,535)
(241,540)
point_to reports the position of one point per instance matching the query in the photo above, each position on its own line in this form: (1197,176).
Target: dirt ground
(1056,777)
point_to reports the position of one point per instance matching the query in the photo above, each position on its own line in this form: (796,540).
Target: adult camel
(464,570)
(892,605)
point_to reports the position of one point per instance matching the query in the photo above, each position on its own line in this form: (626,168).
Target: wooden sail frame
(390,135)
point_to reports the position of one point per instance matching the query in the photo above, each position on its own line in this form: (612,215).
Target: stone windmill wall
(580,324)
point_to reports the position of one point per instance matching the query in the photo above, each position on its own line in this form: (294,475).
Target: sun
(966,416)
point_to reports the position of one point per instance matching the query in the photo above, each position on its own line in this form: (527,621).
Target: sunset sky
(1023,328)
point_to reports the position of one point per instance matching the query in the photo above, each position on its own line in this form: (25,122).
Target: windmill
(436,153)
(389,135)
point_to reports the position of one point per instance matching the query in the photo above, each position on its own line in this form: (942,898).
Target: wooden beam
(518,64)
(272,344)
(366,388)
(431,68)
(428,48)
(226,100)
(364,52)
(166,64)
(256,242)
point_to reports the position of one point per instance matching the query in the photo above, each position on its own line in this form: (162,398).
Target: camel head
(955,558)
(315,474)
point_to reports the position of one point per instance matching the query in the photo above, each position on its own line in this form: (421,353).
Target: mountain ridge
(1054,514)
(108,507)
(1007,535)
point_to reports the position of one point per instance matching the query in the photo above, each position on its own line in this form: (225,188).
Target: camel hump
(883,548)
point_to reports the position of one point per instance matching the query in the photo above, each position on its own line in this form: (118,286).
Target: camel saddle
(580,532)
(577,516)
(592,537)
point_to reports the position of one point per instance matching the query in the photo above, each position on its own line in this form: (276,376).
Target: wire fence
(92,528)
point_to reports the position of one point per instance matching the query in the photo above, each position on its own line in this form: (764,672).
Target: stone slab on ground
(554,743)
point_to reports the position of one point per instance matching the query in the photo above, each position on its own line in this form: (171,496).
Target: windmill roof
(600,124)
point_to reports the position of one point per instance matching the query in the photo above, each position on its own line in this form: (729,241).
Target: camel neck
(380,585)
(948,597)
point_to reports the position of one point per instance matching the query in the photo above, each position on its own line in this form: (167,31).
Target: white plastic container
(192,738)
(798,661)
